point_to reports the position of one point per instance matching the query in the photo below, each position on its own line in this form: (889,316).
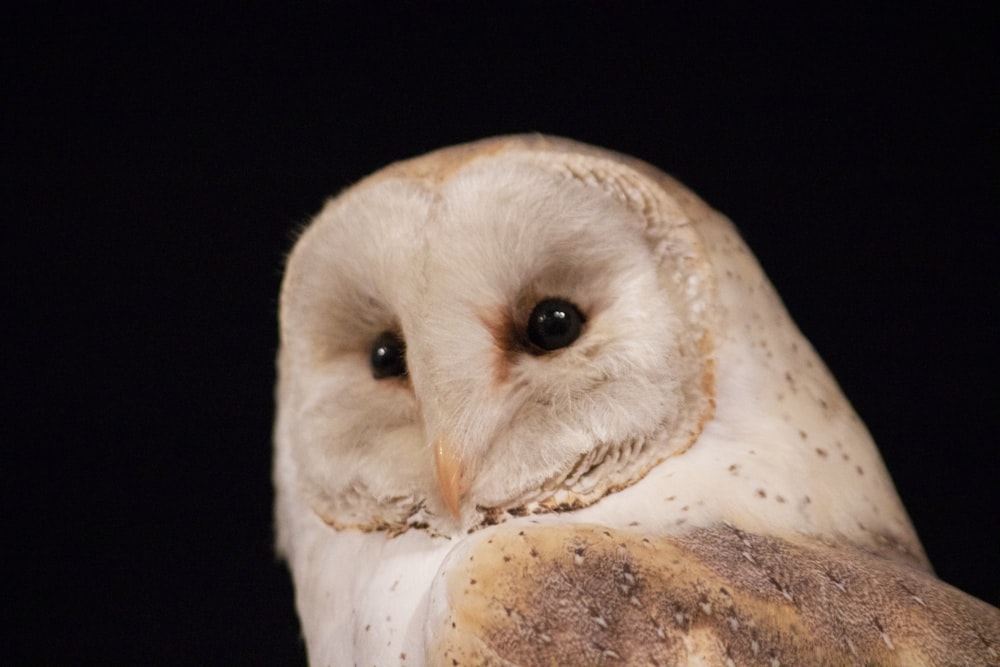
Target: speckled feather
(590,595)
(685,484)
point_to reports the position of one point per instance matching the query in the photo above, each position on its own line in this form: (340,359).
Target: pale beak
(449,474)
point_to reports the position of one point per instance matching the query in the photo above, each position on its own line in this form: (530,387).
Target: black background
(159,157)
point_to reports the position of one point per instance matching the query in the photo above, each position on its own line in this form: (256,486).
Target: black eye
(554,324)
(388,356)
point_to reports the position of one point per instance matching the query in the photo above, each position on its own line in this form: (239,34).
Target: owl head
(481,334)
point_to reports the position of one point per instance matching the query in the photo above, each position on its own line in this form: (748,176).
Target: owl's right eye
(388,357)
(554,323)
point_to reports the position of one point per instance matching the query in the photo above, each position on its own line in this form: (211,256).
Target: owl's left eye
(554,324)
(388,358)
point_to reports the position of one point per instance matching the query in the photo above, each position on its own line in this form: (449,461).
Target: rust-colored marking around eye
(506,341)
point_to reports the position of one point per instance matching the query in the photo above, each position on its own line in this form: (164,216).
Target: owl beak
(449,474)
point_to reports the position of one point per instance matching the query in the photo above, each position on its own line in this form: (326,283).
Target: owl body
(679,423)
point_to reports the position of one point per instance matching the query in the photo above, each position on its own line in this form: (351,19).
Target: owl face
(457,350)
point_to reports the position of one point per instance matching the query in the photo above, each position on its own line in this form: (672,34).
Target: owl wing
(588,595)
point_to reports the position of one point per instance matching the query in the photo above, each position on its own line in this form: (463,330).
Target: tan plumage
(681,481)
(589,595)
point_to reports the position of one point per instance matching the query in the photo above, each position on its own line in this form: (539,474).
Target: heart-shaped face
(515,337)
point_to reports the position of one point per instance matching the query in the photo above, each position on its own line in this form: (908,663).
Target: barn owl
(538,404)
